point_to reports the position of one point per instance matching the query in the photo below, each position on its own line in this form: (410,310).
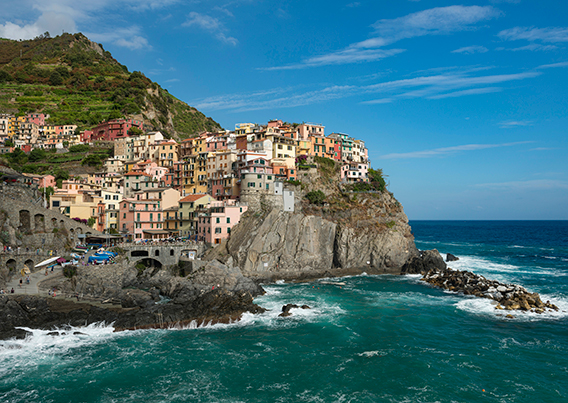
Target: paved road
(35,278)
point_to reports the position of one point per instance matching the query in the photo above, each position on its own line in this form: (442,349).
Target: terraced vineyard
(76,81)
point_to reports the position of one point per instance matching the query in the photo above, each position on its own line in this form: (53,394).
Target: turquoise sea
(374,339)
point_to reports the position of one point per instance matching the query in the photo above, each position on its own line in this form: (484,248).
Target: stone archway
(25,221)
(72,234)
(149,262)
(61,224)
(139,253)
(39,223)
(29,263)
(54,223)
(11,264)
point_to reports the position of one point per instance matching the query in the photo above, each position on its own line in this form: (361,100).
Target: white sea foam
(369,353)
(42,348)
(486,307)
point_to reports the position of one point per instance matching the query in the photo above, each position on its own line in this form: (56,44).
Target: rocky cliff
(349,233)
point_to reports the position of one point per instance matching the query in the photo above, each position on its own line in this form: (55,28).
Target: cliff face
(366,232)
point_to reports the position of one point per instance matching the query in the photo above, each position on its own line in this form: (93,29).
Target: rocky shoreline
(509,297)
(35,312)
(209,292)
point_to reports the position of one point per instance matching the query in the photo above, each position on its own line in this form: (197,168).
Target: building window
(228,220)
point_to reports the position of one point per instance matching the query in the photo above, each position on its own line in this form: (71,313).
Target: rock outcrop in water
(509,296)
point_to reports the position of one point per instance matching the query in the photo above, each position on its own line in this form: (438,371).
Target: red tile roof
(192,198)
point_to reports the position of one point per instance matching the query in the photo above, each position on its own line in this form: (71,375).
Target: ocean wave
(486,307)
(369,354)
(44,347)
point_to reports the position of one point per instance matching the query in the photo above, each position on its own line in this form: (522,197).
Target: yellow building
(171,220)
(75,205)
(187,212)
(194,174)
(283,149)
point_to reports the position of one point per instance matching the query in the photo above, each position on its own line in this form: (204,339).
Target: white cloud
(132,43)
(56,16)
(469,50)
(533,47)
(429,87)
(435,21)
(553,65)
(129,37)
(51,22)
(447,150)
(378,101)
(515,123)
(549,35)
(210,24)
(342,57)
(473,91)
(439,20)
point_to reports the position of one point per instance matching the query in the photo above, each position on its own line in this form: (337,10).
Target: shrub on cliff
(316,197)
(69,271)
(376,179)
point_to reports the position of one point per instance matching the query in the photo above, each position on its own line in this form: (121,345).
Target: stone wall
(24,221)
(161,255)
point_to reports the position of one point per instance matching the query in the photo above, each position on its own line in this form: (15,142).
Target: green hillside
(76,81)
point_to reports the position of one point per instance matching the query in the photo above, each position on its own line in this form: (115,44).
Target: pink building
(37,118)
(151,168)
(42,181)
(142,219)
(216,221)
(217,143)
(355,172)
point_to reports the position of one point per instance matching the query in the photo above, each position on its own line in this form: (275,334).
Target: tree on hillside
(5,76)
(37,154)
(55,78)
(115,114)
(135,131)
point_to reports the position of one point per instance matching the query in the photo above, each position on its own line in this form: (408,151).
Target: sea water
(373,339)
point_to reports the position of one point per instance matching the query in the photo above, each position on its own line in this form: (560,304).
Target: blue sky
(462,104)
